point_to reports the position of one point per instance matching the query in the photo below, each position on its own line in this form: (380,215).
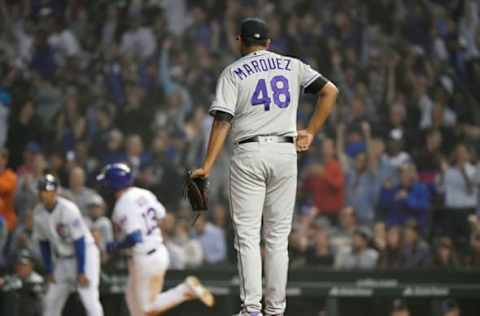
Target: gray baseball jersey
(261,90)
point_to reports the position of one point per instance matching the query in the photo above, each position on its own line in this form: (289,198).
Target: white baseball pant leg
(263,174)
(146,278)
(58,292)
(132,305)
(90,295)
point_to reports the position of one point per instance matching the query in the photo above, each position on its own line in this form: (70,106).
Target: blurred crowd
(391,183)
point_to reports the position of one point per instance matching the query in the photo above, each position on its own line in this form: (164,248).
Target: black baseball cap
(254,28)
(48,183)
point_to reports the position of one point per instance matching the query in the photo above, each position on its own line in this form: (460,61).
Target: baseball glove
(196,190)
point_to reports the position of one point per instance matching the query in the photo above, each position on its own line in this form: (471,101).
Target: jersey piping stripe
(310,81)
(239,255)
(221,108)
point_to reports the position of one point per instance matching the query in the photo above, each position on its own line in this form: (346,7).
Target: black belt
(151,251)
(268,139)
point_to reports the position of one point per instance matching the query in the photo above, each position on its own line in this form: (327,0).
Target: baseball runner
(136,215)
(69,254)
(257,97)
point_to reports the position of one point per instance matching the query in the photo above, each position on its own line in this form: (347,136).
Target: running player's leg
(131,300)
(154,301)
(149,274)
(277,220)
(89,294)
(247,194)
(57,294)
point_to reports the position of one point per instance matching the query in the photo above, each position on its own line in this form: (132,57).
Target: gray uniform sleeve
(308,75)
(226,94)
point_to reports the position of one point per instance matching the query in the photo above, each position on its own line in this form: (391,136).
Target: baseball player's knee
(147,310)
(276,246)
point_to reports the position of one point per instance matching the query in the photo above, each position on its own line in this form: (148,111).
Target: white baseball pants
(65,273)
(145,283)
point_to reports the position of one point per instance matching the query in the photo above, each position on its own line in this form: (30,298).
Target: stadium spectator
(213,241)
(192,248)
(416,252)
(27,287)
(219,216)
(70,123)
(391,257)
(461,195)
(324,183)
(28,176)
(175,252)
(399,308)
(8,186)
(445,256)
(133,112)
(25,127)
(105,144)
(450,307)
(341,238)
(3,241)
(114,145)
(429,158)
(98,223)
(381,165)
(58,165)
(320,254)
(63,41)
(5,106)
(77,192)
(361,256)
(135,154)
(361,180)
(297,246)
(138,41)
(379,241)
(409,200)
(440,121)
(162,175)
(395,153)
(22,239)
(473,256)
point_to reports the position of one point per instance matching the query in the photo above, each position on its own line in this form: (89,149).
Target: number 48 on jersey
(280,93)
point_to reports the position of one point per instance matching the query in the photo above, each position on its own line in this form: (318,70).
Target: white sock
(171,298)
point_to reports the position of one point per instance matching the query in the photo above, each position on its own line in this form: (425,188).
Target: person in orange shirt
(8,184)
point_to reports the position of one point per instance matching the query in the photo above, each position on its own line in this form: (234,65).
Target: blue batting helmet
(116,176)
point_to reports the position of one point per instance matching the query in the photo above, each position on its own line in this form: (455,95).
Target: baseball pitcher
(136,216)
(69,254)
(257,97)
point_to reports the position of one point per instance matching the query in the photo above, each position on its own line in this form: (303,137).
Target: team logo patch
(62,230)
